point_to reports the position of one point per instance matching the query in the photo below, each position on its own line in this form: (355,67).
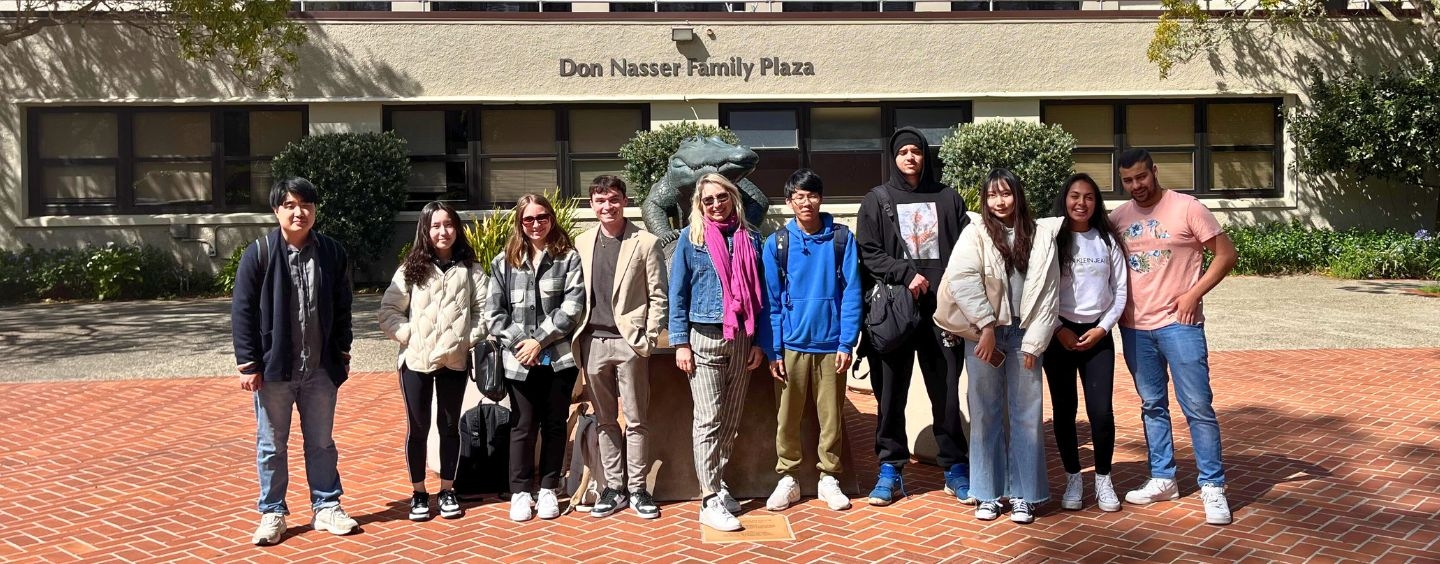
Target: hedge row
(112,272)
(1290,248)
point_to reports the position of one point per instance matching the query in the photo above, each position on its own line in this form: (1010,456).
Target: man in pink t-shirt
(1163,327)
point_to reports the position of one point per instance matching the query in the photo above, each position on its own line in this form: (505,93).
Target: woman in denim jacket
(534,304)
(716,308)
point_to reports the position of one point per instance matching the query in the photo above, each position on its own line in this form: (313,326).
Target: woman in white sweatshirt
(1092,297)
(1003,278)
(433,308)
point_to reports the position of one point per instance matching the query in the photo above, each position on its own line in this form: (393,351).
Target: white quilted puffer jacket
(437,321)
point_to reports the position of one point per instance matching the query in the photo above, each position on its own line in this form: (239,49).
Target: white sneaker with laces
(521,507)
(1155,489)
(786,493)
(1022,511)
(272,527)
(730,504)
(334,521)
(829,490)
(1217,508)
(547,506)
(988,510)
(1074,497)
(714,515)
(1105,493)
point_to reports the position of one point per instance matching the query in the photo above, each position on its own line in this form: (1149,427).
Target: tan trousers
(619,382)
(810,375)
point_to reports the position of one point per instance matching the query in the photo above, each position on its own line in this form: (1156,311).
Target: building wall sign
(733,67)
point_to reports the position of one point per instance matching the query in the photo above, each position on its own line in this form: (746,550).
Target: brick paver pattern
(1331,455)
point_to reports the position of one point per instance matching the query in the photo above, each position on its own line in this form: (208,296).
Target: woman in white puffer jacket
(433,308)
(1003,279)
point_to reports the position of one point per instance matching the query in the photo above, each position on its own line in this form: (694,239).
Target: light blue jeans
(1180,348)
(314,397)
(1007,410)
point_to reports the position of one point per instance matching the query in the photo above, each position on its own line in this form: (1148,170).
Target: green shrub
(361,178)
(225,281)
(1040,155)
(647,154)
(111,272)
(1291,248)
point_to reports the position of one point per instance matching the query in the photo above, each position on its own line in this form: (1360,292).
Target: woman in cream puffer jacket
(1002,285)
(433,308)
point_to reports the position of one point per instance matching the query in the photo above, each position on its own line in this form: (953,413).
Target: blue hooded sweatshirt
(819,312)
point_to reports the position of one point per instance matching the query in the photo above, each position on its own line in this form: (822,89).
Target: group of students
(1015,295)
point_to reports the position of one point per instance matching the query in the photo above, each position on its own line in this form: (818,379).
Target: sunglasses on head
(532,219)
(716,199)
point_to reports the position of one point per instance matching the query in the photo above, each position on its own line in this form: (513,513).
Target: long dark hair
(1016,257)
(419,263)
(557,242)
(1099,219)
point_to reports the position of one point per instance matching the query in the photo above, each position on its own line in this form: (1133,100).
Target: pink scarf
(739,281)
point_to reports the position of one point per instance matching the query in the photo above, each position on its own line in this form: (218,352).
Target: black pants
(540,403)
(448,387)
(1097,375)
(940,368)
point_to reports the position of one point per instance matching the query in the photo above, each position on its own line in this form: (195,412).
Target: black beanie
(903,138)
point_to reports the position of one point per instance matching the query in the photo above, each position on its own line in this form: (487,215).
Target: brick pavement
(1331,455)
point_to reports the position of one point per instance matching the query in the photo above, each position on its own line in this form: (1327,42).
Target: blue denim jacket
(695,288)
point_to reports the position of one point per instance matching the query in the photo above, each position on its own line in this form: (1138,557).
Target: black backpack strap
(263,245)
(842,238)
(782,257)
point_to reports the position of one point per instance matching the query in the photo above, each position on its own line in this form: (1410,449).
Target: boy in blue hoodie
(813,294)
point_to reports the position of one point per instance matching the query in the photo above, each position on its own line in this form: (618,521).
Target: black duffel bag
(891,315)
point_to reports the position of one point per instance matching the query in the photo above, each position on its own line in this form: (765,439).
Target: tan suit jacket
(640,296)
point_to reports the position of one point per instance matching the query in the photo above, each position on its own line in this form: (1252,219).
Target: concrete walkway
(162,339)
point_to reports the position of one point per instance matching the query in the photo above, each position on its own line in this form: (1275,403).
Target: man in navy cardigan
(290,321)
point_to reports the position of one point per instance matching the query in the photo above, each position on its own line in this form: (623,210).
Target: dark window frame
(1202,150)
(804,133)
(125,161)
(474,155)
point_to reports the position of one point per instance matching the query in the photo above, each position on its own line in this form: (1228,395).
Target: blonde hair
(518,250)
(697,209)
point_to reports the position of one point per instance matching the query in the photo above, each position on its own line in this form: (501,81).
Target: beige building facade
(107,135)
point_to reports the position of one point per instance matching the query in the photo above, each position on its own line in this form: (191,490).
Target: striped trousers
(717,388)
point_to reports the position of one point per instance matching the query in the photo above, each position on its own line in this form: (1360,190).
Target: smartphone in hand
(997,359)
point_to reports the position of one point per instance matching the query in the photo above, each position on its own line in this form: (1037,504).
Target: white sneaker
(1105,493)
(988,510)
(730,504)
(1074,497)
(714,515)
(272,527)
(1022,511)
(786,493)
(1156,489)
(1217,509)
(334,521)
(522,508)
(830,493)
(547,506)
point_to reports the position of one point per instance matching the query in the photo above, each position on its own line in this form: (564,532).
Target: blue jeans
(1007,410)
(314,397)
(1182,349)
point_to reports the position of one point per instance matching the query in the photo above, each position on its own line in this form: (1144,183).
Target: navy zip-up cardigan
(263,337)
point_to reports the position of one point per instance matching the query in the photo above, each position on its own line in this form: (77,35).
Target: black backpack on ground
(484,451)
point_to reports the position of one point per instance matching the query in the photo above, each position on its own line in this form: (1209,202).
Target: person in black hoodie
(912,250)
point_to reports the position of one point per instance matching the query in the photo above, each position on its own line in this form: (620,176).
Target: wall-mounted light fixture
(680,34)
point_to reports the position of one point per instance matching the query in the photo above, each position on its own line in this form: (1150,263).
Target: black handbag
(486,370)
(891,314)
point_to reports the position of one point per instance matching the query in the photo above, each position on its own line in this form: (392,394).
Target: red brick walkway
(1331,455)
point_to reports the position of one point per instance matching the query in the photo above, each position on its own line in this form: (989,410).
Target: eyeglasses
(716,199)
(802,198)
(533,219)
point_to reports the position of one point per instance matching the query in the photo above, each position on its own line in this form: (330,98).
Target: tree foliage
(255,40)
(647,154)
(1039,154)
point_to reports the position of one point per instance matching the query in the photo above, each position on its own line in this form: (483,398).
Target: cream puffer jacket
(977,286)
(438,321)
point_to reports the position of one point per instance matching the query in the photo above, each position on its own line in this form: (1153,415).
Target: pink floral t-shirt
(1164,248)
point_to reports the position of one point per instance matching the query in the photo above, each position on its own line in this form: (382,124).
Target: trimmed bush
(647,154)
(1040,155)
(361,178)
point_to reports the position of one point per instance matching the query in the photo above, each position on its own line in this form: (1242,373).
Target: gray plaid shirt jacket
(545,304)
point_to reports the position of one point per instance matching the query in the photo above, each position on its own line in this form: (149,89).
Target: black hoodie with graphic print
(929,218)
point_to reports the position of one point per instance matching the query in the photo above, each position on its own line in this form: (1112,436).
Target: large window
(156,159)
(1223,147)
(843,143)
(485,155)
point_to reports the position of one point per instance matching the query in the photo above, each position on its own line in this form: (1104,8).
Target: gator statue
(668,204)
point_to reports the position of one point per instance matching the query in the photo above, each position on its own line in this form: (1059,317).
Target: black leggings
(541,402)
(1097,375)
(448,388)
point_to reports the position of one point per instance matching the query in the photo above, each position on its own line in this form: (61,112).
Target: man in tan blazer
(625,275)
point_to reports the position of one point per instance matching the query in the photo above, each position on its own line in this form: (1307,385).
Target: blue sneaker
(889,487)
(957,483)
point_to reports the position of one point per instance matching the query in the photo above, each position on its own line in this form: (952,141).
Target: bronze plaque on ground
(758,528)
